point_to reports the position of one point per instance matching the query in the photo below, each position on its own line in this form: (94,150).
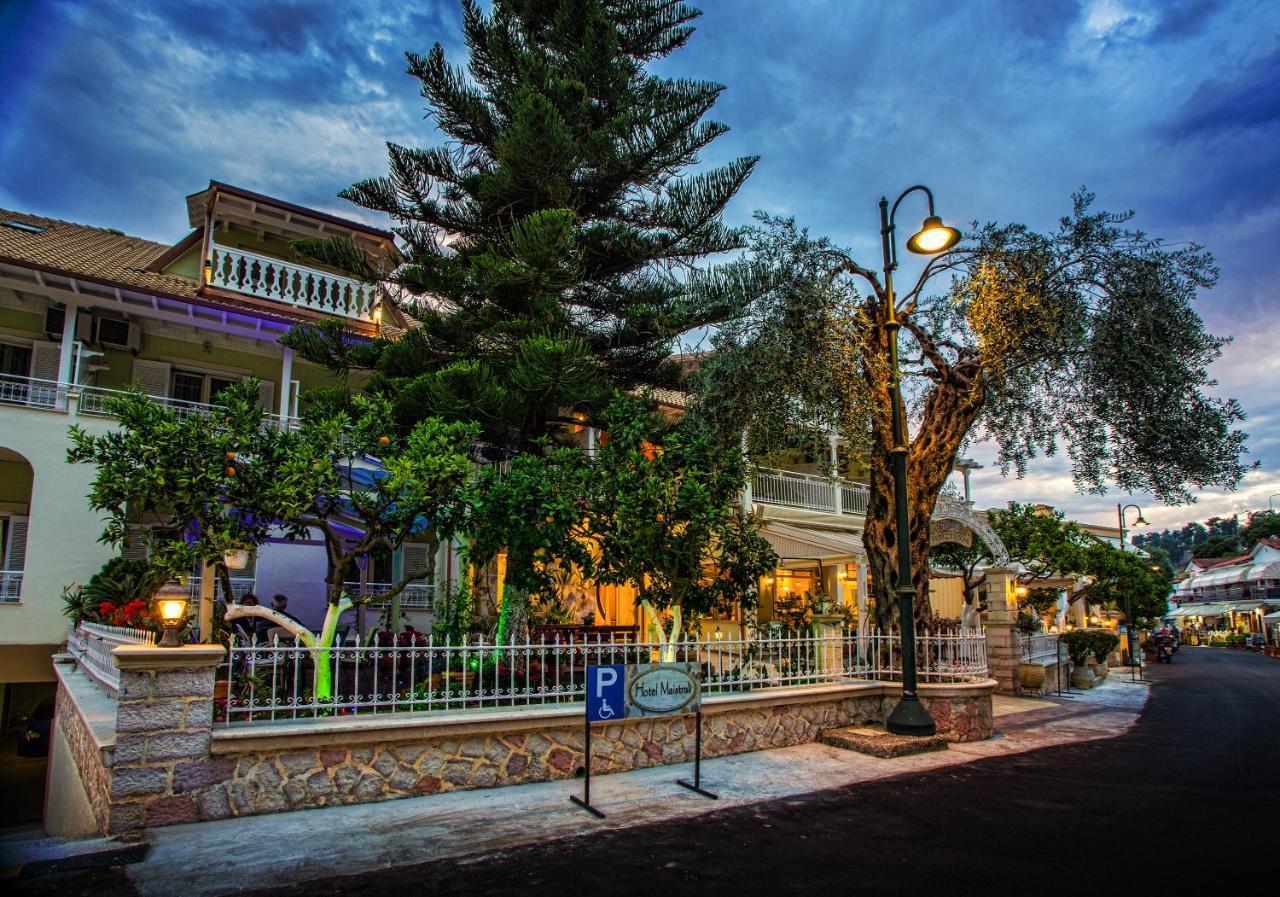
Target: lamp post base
(910,717)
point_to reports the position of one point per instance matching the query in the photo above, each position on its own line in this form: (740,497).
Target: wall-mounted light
(208,270)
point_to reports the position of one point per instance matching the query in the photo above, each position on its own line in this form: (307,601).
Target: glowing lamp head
(1141,521)
(1021,591)
(170,605)
(933,237)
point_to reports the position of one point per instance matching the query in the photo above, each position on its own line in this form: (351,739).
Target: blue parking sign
(606,693)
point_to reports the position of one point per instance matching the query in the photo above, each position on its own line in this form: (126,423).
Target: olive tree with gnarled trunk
(1085,336)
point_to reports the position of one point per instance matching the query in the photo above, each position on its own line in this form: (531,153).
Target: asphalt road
(1188,798)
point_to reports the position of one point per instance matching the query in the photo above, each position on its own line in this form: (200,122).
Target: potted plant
(1030,675)
(1079,644)
(1103,643)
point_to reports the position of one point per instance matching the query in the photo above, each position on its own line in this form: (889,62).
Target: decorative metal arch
(951,512)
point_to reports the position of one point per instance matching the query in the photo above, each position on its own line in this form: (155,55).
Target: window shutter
(266,396)
(45,357)
(15,554)
(135,543)
(152,377)
(415,559)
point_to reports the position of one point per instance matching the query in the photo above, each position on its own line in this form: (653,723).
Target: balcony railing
(291,283)
(240,586)
(808,491)
(414,595)
(10,586)
(92,644)
(32,392)
(92,400)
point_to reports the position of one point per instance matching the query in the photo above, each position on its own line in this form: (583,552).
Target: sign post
(649,689)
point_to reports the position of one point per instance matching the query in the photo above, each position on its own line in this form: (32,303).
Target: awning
(1273,617)
(1200,610)
(800,543)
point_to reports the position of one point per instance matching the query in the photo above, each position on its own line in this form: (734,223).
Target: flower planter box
(1082,677)
(1031,675)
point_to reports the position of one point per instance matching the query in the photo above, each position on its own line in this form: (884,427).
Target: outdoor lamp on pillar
(909,717)
(170,606)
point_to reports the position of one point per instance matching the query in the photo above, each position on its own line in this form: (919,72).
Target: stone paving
(194,860)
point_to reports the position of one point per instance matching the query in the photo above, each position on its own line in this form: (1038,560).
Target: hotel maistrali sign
(620,691)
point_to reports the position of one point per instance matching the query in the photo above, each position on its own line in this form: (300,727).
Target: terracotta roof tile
(93,252)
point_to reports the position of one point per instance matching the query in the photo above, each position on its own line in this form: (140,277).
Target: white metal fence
(281,681)
(92,643)
(1040,648)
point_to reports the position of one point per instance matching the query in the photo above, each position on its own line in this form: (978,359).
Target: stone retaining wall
(94,775)
(171,766)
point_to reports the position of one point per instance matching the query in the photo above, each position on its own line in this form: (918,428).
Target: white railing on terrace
(809,491)
(32,392)
(420,675)
(92,644)
(292,283)
(10,586)
(414,595)
(50,394)
(1040,648)
(93,400)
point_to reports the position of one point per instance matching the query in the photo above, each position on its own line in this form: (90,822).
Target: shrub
(1079,644)
(1103,644)
(122,580)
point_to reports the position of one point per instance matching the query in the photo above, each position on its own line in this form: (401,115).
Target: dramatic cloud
(112,111)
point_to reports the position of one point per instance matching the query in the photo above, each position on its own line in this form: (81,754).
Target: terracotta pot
(1031,675)
(1082,677)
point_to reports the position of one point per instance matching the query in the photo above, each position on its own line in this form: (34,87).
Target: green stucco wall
(24,322)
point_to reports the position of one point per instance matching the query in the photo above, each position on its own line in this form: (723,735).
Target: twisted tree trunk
(951,407)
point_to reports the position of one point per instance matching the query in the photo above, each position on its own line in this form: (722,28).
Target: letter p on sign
(606,693)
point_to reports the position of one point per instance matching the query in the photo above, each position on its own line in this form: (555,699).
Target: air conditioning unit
(115,333)
(55,318)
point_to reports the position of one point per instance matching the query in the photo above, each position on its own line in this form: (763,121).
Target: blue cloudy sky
(112,110)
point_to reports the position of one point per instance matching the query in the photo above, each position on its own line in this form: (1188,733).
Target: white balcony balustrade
(293,284)
(792,489)
(10,586)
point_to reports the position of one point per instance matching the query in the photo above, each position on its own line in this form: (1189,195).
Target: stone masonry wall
(95,777)
(258,783)
(168,768)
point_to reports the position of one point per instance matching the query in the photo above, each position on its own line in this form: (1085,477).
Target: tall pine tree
(551,241)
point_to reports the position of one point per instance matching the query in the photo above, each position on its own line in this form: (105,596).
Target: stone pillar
(1004,645)
(828,648)
(164,724)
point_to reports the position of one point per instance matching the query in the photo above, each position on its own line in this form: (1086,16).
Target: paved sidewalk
(288,848)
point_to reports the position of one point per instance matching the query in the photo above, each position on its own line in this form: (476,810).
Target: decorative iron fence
(290,681)
(92,643)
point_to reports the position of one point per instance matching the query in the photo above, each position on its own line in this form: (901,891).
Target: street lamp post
(909,717)
(1132,658)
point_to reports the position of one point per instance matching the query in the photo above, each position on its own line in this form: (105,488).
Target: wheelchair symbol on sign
(605,711)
